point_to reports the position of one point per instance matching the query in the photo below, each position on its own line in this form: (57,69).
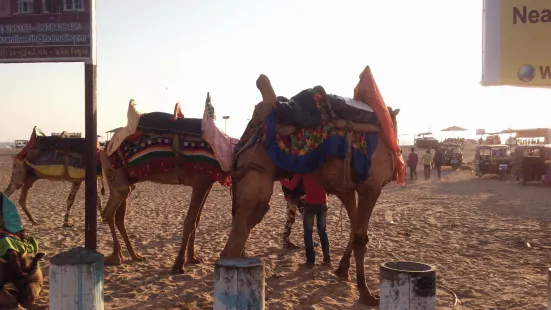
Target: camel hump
(265,87)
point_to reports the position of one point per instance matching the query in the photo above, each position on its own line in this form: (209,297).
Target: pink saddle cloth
(221,143)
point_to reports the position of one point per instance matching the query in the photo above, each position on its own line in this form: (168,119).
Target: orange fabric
(368,92)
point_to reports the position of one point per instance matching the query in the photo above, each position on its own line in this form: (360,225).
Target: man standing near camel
(315,209)
(439,161)
(426,160)
(294,204)
(413,160)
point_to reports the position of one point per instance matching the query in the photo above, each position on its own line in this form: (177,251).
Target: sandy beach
(489,239)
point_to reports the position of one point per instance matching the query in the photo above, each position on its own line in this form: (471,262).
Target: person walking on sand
(439,161)
(426,160)
(294,204)
(315,208)
(413,160)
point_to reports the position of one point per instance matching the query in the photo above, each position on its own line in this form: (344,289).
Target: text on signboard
(532,16)
(41,27)
(39,52)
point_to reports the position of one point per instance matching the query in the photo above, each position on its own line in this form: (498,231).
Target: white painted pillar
(549,289)
(239,284)
(76,280)
(407,286)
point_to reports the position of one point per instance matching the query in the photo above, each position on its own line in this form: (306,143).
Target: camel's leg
(199,195)
(70,201)
(253,194)
(23,199)
(367,200)
(119,220)
(349,201)
(28,297)
(9,190)
(98,201)
(114,202)
(192,257)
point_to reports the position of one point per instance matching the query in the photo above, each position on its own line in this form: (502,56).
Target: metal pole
(225,123)
(90,112)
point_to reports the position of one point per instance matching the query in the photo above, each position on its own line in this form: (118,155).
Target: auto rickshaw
(532,163)
(453,154)
(493,159)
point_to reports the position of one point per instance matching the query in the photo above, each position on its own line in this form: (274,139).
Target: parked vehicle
(532,163)
(493,159)
(453,154)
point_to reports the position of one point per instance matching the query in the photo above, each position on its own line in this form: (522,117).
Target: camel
(254,174)
(170,170)
(24,176)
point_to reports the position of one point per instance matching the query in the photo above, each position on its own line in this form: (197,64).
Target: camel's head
(393,117)
(18,172)
(29,286)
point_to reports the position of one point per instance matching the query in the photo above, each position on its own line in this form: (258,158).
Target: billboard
(47,31)
(516,47)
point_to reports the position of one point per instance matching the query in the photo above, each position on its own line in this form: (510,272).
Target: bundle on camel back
(55,158)
(347,154)
(167,149)
(19,258)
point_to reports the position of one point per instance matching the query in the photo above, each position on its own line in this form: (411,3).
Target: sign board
(480,132)
(47,31)
(516,47)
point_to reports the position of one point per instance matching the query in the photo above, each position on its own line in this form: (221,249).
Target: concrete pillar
(239,284)
(407,285)
(76,280)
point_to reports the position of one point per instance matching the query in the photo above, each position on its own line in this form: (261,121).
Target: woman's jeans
(319,213)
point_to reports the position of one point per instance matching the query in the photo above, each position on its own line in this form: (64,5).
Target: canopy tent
(454,128)
(424,134)
(111,132)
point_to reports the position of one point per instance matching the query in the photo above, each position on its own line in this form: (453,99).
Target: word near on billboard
(516,43)
(46,30)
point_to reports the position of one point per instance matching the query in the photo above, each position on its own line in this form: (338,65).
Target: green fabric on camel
(12,234)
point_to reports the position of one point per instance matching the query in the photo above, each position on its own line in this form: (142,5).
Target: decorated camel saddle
(156,141)
(298,133)
(56,156)
(19,258)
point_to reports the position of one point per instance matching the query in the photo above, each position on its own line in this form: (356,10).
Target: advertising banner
(516,47)
(47,31)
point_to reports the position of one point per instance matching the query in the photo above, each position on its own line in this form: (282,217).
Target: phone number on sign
(42,27)
(52,52)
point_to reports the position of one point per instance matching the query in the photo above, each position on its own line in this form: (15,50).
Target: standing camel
(254,174)
(23,174)
(165,149)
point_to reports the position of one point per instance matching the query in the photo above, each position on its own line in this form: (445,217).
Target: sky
(425,57)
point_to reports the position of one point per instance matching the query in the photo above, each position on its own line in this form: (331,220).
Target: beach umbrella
(424,134)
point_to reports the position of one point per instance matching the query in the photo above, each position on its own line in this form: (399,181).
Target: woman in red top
(315,209)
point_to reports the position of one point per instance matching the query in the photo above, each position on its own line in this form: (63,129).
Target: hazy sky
(425,55)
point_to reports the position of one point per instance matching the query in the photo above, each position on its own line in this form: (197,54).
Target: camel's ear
(39,256)
(396,112)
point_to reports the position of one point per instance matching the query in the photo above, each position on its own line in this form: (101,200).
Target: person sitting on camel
(19,259)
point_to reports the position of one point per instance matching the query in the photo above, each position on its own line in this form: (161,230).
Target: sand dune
(474,230)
